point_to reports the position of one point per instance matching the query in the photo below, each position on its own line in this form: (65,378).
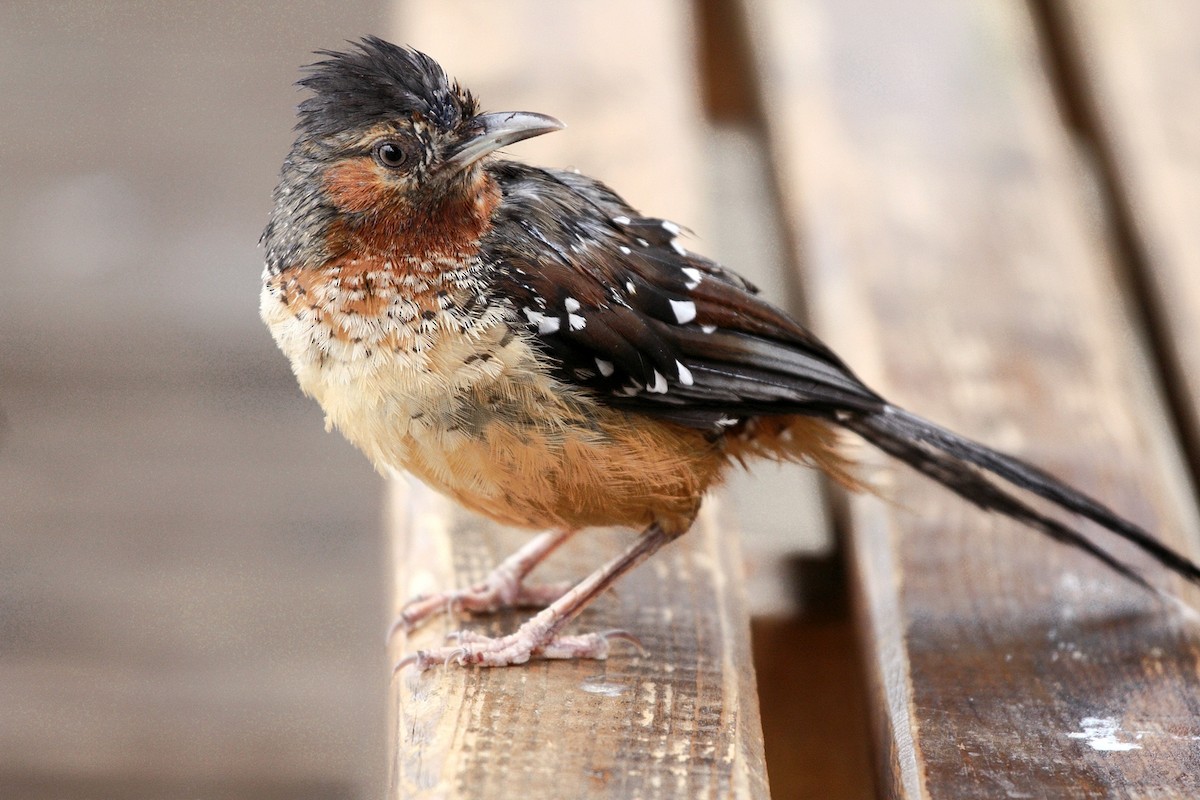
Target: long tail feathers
(946,457)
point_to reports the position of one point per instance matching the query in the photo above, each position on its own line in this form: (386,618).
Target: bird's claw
(497,592)
(474,649)
(408,620)
(622,635)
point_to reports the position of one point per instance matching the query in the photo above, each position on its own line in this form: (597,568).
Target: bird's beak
(488,132)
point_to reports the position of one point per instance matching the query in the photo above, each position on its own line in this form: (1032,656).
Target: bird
(525,342)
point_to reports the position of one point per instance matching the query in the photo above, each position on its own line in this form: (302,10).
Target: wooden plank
(950,255)
(1138,78)
(683,720)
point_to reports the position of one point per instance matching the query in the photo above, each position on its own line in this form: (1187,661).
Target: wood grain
(683,720)
(950,253)
(1139,80)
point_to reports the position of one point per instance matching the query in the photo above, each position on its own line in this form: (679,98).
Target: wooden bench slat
(683,720)
(1140,80)
(948,252)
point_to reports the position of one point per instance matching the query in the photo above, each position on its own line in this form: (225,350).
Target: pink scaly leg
(502,588)
(539,637)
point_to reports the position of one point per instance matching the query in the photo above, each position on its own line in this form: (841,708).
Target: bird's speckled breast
(424,375)
(388,352)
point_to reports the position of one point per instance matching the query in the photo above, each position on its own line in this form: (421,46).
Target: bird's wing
(625,311)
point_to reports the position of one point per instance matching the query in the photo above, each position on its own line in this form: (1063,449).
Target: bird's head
(386,134)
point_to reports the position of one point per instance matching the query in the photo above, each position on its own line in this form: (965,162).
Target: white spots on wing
(660,384)
(546,324)
(642,242)
(685,311)
(605,367)
(708,328)
(1101,734)
(670,227)
(629,287)
(685,374)
(624,249)
(571,305)
(694,277)
(677,247)
(726,422)
(621,220)
(575,322)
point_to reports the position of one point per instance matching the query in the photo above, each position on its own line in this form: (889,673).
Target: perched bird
(524,341)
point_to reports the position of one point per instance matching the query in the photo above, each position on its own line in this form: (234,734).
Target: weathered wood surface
(1136,66)
(681,721)
(951,254)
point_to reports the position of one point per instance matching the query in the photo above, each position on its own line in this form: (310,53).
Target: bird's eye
(389,154)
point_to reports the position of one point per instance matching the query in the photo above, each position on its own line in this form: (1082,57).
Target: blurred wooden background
(191,580)
(989,207)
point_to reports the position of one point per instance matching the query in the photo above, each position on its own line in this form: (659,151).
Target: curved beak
(488,132)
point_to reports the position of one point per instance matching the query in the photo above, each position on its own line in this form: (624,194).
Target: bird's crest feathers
(374,81)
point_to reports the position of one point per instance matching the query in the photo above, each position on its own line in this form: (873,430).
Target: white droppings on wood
(597,685)
(649,703)
(1100,733)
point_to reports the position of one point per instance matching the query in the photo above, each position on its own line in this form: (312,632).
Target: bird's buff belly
(516,446)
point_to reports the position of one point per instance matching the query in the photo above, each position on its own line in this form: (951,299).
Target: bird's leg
(503,587)
(539,637)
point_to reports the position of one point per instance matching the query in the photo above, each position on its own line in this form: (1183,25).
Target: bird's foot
(504,587)
(501,589)
(534,639)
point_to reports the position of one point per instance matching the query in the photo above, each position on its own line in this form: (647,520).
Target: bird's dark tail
(949,459)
